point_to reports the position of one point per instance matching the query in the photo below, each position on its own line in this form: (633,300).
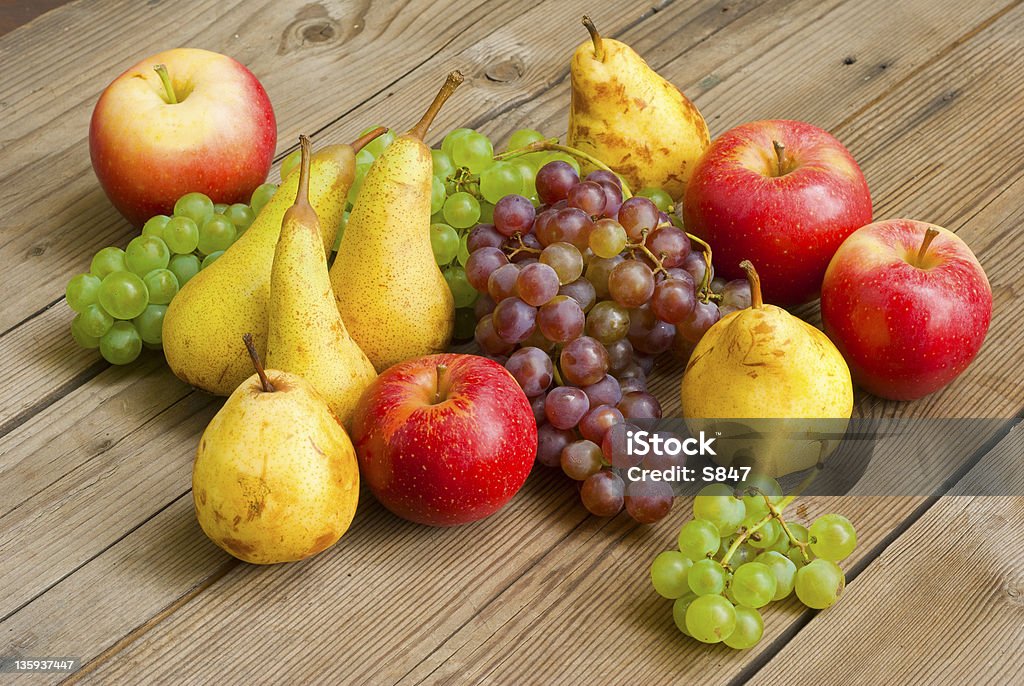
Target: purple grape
(639,405)
(648,501)
(612,200)
(489,340)
(536,284)
(554,180)
(604,392)
(537,405)
(513,214)
(584,361)
(514,320)
(532,369)
(603,494)
(631,384)
(572,225)
(673,300)
(561,319)
(525,256)
(566,406)
(501,283)
(483,306)
(483,236)
(695,264)
(550,444)
(615,447)
(581,459)
(637,215)
(588,196)
(604,176)
(481,264)
(694,328)
(582,291)
(595,424)
(670,245)
(620,354)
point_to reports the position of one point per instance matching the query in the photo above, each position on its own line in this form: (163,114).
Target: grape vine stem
(774,512)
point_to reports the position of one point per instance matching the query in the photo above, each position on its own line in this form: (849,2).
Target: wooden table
(100,554)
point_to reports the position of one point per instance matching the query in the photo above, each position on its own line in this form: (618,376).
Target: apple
(216,135)
(908,305)
(444,439)
(783,194)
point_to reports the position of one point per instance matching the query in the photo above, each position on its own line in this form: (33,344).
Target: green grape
(462,291)
(832,537)
(450,138)
(437,194)
(150,323)
(81,338)
(743,553)
(216,235)
(218,208)
(707,577)
(146,253)
(698,539)
(661,199)
(565,157)
(82,291)
(261,196)
(486,213)
(679,608)
(290,163)
(463,254)
(766,535)
(107,261)
(123,295)
(668,574)
(718,504)
(710,618)
(364,156)
(753,584)
(783,569)
(461,210)
(748,631)
(443,165)
(757,484)
(501,179)
(377,145)
(241,215)
(184,267)
(211,258)
(162,285)
(473,151)
(357,182)
(781,544)
(523,137)
(122,344)
(529,174)
(94,321)
(819,584)
(154,226)
(801,534)
(196,206)
(465,324)
(444,240)
(181,235)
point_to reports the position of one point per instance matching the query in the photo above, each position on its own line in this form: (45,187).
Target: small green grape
(94,321)
(463,292)
(82,290)
(241,215)
(444,240)
(357,182)
(123,295)
(290,163)
(154,226)
(463,254)
(767,535)
(443,165)
(378,144)
(162,285)
(523,137)
(565,157)
(661,199)
(150,323)
(146,253)
(669,574)
(748,631)
(83,339)
(437,195)
(261,196)
(107,261)
(819,584)
(715,502)
(753,584)
(451,137)
(122,344)
(473,151)
(832,537)
(461,210)
(181,235)
(679,608)
(529,174)
(698,539)
(216,235)
(196,206)
(219,207)
(211,258)
(707,576)
(501,179)
(184,267)
(710,618)
(784,570)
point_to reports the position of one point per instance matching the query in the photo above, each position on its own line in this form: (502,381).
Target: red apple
(783,194)
(444,439)
(908,306)
(218,138)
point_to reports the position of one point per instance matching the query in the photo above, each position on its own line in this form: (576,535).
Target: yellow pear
(389,290)
(773,388)
(629,117)
(275,477)
(306,335)
(206,319)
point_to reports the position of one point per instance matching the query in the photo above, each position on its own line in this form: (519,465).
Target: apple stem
(255,356)
(165,79)
(302,194)
(780,155)
(595,37)
(929,235)
(359,143)
(755,284)
(443,380)
(451,83)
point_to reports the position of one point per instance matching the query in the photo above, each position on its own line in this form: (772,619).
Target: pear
(773,388)
(629,117)
(389,290)
(275,477)
(205,320)
(306,335)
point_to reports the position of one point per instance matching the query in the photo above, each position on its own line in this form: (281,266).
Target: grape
(753,584)
(661,199)
(210,259)
(596,423)
(832,537)
(648,334)
(483,306)
(604,392)
(154,226)
(679,608)
(83,290)
(240,215)
(484,236)
(696,266)
(149,324)
(755,487)
(608,322)
(181,235)
(107,261)
(537,284)
(707,577)
(123,295)
(196,206)
(514,320)
(582,291)
(216,235)
(513,214)
(523,137)
(121,344)
(648,501)
(598,270)
(565,259)
(451,138)
(584,361)
(784,570)
(561,319)
(704,315)
(612,200)
(461,210)
(81,338)
(668,574)
(620,355)
(443,165)
(631,283)
(580,459)
(615,446)
(537,340)
(532,369)
(570,225)
(670,245)
(673,300)
(607,238)
(736,293)
(566,406)
(481,264)
(743,553)
(765,536)
(603,493)
(562,157)
(554,180)
(501,283)
(717,504)
(357,181)
(463,293)
(632,384)
(710,618)
(698,539)
(444,241)
(489,340)
(748,631)
(473,151)
(378,144)
(184,267)
(261,196)
(537,404)
(639,405)
(638,215)
(717,284)
(93,321)
(162,285)
(819,584)
(588,196)
(551,442)
(438,194)
(499,180)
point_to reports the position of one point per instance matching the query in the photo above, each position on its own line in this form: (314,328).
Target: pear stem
(165,79)
(251,347)
(595,37)
(359,143)
(302,194)
(450,84)
(443,381)
(780,156)
(755,284)
(929,235)
(553,144)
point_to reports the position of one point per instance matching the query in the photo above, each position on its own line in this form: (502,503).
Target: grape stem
(705,284)
(552,144)
(523,247)
(774,512)
(641,245)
